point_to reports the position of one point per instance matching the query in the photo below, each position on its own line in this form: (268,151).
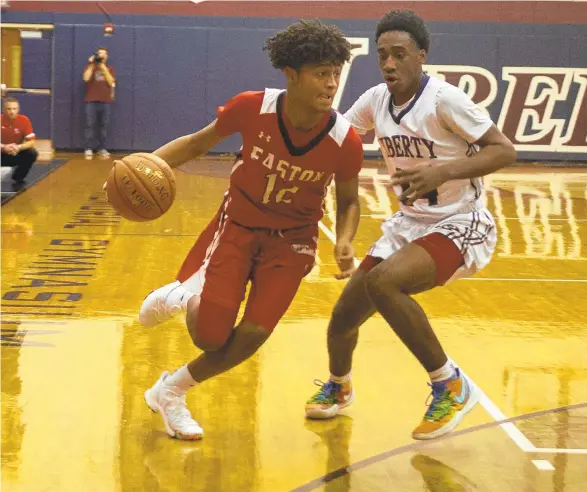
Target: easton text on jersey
(284,168)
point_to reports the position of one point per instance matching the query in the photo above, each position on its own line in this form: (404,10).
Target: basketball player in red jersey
(266,230)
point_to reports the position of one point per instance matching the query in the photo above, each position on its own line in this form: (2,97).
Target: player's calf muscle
(353,307)
(243,342)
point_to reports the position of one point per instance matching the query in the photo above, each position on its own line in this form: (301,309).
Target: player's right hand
(105,185)
(91,59)
(344,254)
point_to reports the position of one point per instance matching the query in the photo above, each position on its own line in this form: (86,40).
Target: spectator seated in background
(18,140)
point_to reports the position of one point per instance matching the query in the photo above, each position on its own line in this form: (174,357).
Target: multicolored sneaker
(330,400)
(451,401)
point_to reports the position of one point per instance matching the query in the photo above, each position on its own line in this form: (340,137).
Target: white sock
(194,283)
(181,379)
(447,371)
(341,379)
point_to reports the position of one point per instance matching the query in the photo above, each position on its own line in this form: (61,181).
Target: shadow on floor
(39,171)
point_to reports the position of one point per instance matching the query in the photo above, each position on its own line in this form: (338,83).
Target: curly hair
(308,43)
(406,21)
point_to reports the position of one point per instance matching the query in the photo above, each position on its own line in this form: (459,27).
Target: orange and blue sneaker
(451,401)
(330,399)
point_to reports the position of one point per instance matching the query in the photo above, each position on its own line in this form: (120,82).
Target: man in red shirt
(100,80)
(18,140)
(266,231)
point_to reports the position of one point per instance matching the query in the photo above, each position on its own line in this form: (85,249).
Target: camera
(98,58)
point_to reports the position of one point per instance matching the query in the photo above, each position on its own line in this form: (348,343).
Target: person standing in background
(100,80)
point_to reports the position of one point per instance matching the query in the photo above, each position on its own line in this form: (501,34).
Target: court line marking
(497,279)
(105,234)
(12,313)
(417,446)
(327,232)
(32,322)
(569,281)
(39,306)
(559,450)
(490,407)
(509,428)
(544,465)
(537,220)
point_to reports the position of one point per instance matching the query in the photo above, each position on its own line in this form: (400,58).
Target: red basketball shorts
(227,256)
(460,245)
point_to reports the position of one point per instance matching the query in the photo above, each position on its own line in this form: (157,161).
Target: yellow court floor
(75,361)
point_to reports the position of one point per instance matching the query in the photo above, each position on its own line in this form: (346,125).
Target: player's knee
(209,325)
(380,281)
(253,336)
(210,340)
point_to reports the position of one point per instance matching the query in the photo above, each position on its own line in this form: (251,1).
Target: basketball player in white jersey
(437,145)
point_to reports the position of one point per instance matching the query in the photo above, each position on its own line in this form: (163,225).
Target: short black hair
(406,21)
(308,43)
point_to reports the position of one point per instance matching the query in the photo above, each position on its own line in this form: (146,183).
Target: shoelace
(327,393)
(176,409)
(441,404)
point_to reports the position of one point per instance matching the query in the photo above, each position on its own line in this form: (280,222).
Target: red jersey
(280,177)
(17,130)
(97,89)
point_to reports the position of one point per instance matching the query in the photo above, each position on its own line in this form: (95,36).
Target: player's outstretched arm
(188,147)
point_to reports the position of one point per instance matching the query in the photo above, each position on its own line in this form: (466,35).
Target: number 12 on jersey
(280,195)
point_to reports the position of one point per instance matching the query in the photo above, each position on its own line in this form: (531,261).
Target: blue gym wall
(173,71)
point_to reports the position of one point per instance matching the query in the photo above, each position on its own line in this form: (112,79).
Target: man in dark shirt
(18,140)
(100,80)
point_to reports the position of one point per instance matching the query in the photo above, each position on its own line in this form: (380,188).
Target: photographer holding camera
(100,80)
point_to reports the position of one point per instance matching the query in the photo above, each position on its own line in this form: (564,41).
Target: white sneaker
(103,154)
(88,154)
(159,306)
(171,404)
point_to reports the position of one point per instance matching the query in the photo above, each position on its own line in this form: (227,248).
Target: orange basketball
(141,187)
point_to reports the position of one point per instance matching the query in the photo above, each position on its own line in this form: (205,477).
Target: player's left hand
(344,254)
(419,181)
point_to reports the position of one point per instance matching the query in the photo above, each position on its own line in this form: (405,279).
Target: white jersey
(440,123)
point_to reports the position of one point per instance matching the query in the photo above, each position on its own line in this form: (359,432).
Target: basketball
(141,187)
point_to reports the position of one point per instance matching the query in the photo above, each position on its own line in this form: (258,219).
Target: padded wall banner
(527,111)
(529,72)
